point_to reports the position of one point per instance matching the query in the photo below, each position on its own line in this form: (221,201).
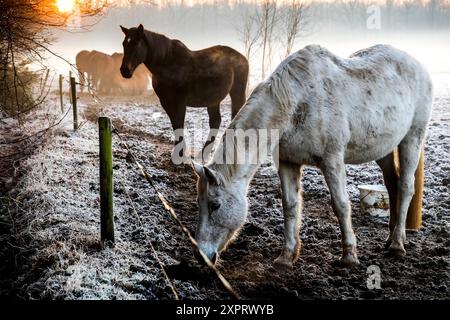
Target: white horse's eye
(213,206)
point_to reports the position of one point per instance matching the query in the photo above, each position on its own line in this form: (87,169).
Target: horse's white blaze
(329,111)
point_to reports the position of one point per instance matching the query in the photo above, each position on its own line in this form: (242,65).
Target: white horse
(329,111)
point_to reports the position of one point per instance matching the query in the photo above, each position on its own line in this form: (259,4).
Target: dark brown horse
(182,77)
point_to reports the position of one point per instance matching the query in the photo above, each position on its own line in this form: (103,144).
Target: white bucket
(374,200)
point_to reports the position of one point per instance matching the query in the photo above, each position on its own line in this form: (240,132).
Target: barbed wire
(167,207)
(155,254)
(172,213)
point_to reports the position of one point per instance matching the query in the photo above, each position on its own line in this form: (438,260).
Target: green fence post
(73,90)
(61,98)
(106,181)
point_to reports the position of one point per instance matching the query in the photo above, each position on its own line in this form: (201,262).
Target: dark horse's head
(134,50)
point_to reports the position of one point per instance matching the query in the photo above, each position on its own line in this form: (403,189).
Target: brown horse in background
(137,85)
(83,66)
(102,72)
(181,77)
(101,65)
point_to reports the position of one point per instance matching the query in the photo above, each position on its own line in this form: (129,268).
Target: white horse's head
(222,211)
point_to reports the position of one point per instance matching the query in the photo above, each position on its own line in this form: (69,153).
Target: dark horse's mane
(163,49)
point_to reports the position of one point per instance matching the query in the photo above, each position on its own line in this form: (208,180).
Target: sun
(65,6)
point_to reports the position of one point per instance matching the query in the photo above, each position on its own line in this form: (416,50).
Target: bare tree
(433,7)
(267,21)
(389,8)
(354,12)
(295,20)
(249,33)
(407,6)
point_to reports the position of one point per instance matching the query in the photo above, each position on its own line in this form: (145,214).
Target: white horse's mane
(290,75)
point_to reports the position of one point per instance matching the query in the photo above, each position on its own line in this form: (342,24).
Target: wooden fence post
(70,91)
(106,181)
(73,89)
(61,98)
(414,217)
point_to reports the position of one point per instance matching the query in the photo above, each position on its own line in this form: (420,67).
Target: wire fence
(154,252)
(233,293)
(98,101)
(226,284)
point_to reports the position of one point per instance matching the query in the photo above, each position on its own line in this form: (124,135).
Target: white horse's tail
(414,217)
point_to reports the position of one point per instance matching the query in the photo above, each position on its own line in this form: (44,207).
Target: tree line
(262,27)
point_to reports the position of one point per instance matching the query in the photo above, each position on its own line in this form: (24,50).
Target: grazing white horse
(329,111)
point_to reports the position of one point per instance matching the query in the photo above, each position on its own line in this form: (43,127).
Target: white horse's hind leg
(335,176)
(409,150)
(290,189)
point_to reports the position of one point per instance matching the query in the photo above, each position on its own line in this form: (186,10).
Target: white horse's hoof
(282,264)
(287,258)
(397,250)
(348,260)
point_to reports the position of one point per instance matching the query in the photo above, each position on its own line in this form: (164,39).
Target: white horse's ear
(212,176)
(198,168)
(124,30)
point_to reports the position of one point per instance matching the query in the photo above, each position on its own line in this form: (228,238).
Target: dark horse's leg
(214,123)
(177,113)
(390,177)
(237,92)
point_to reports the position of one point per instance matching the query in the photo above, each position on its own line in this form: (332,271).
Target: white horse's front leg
(290,187)
(335,176)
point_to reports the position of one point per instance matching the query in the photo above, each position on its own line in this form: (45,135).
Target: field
(52,250)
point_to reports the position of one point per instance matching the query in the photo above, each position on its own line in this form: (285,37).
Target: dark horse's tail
(239,88)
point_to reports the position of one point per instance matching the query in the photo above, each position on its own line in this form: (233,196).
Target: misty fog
(421,29)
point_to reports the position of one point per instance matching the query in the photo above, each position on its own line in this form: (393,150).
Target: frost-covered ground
(53,214)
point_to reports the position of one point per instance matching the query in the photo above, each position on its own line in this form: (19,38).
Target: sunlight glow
(65,6)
